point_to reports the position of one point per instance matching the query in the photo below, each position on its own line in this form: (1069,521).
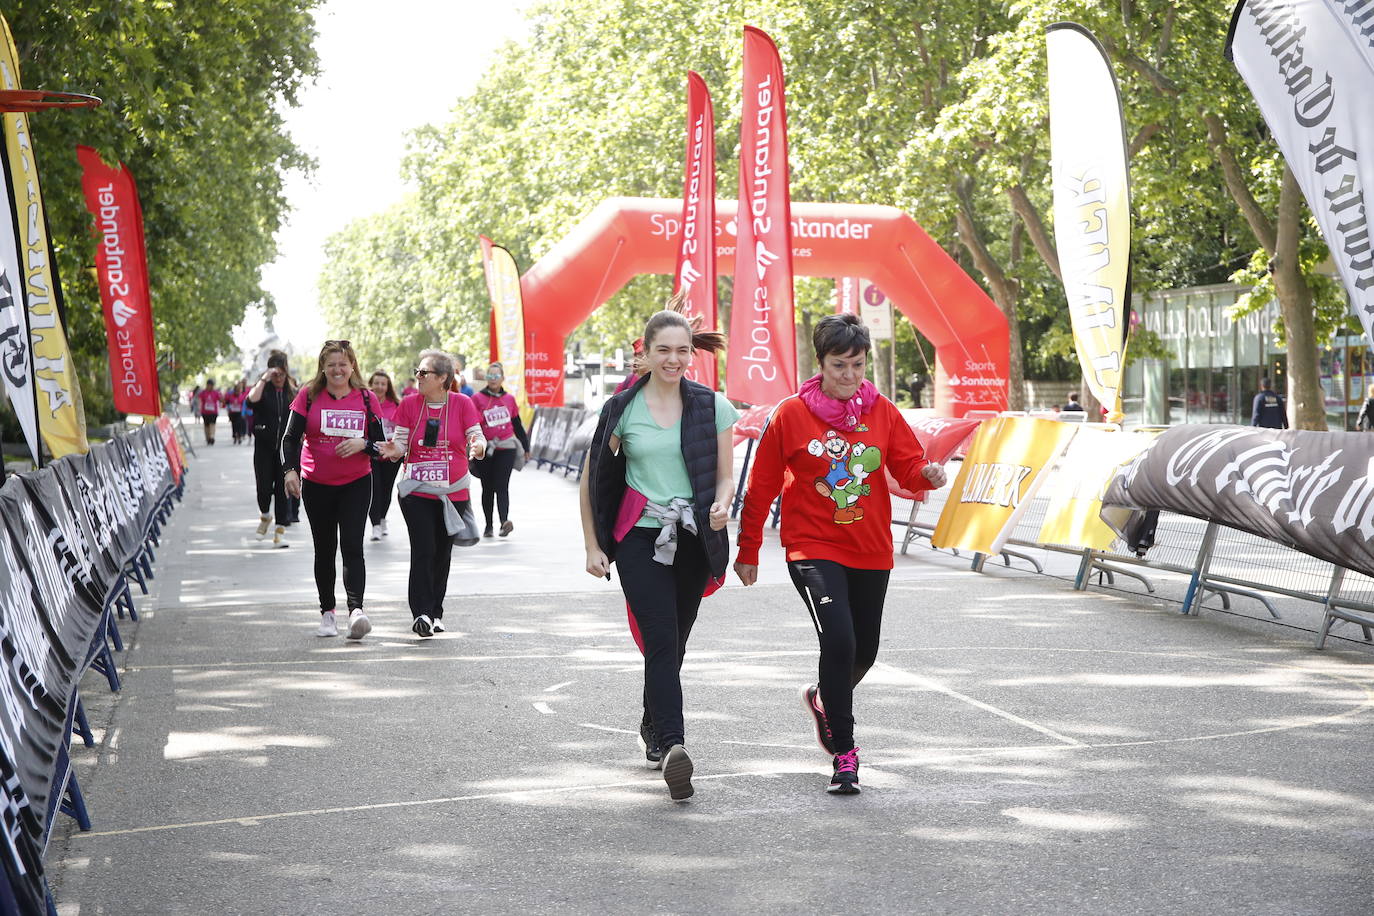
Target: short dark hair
(1264,381)
(842,334)
(1073,395)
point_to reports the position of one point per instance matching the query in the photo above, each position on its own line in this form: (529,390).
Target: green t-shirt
(653,453)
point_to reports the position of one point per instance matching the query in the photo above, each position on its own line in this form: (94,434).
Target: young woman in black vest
(270,400)
(656,491)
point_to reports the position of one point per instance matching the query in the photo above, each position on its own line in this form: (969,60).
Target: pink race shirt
(447,460)
(332,420)
(386,412)
(496,413)
(209,401)
(234,402)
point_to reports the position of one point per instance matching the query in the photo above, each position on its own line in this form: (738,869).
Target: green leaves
(193,93)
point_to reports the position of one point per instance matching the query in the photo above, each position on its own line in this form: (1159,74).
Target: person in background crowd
(210,398)
(193,401)
(247,415)
(332,433)
(383,471)
(233,403)
(505,433)
(1268,409)
(655,494)
(1073,404)
(826,449)
(918,385)
(1365,421)
(460,368)
(270,401)
(437,431)
(408,388)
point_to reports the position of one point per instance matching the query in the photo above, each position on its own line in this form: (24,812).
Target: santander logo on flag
(122,312)
(762,363)
(696,270)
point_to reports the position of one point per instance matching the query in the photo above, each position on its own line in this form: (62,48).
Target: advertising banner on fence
(1311,491)
(762,364)
(1006,464)
(66,533)
(1310,66)
(61,416)
(508,319)
(169,439)
(122,275)
(1075,490)
(1092,204)
(940,438)
(695,277)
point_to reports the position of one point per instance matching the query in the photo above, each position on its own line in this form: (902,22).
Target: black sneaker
(423,626)
(845,780)
(648,743)
(488,532)
(811,699)
(677,773)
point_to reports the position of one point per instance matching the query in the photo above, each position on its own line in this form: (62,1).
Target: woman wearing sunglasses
(437,430)
(332,433)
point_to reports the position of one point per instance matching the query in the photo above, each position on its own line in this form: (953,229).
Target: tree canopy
(193,98)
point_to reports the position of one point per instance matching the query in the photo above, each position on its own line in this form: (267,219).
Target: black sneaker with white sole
(423,626)
(677,773)
(437,626)
(648,743)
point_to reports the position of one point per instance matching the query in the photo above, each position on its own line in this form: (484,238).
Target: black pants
(494,471)
(383,482)
(338,515)
(236,425)
(664,600)
(271,481)
(431,552)
(846,606)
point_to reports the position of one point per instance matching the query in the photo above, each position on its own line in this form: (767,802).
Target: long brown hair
(355,379)
(672,317)
(391,394)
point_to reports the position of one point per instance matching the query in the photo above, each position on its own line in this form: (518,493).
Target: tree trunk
(1004,293)
(1306,400)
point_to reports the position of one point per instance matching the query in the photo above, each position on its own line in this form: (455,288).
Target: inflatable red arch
(627,236)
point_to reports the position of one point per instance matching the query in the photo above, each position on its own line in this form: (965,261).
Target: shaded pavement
(1026,748)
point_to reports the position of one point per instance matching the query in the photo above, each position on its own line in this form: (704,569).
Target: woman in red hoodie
(835,437)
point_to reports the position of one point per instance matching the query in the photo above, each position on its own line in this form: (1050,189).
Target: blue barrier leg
(113,631)
(81,726)
(133,570)
(147,566)
(126,601)
(105,664)
(74,803)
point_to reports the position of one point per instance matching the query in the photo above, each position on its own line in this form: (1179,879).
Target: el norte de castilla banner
(508,322)
(59,413)
(1092,205)
(1310,66)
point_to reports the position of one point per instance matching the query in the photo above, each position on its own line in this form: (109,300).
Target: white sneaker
(327,625)
(437,626)
(377,532)
(423,626)
(264,522)
(384,531)
(279,540)
(358,624)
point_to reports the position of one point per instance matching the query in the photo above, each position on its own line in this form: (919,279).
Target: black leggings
(271,481)
(494,471)
(383,482)
(431,552)
(236,424)
(846,607)
(338,515)
(664,601)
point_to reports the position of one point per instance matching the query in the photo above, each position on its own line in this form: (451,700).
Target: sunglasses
(421,373)
(337,343)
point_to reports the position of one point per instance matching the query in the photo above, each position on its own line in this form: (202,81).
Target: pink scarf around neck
(843,415)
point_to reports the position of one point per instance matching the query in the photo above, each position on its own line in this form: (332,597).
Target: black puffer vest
(606,471)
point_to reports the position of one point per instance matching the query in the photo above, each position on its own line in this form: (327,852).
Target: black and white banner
(66,533)
(1310,491)
(1310,65)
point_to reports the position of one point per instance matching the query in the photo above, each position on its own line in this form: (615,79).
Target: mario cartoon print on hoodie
(849,467)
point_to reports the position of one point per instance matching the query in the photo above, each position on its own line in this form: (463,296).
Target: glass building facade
(1216,363)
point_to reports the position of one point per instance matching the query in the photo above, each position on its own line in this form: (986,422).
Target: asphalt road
(1026,748)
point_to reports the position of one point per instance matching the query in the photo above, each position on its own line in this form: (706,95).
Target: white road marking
(557,687)
(544,708)
(932,684)
(607,728)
